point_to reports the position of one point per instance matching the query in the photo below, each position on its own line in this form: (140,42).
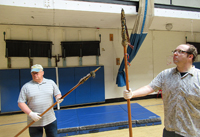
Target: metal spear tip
(122,14)
(97,69)
(92,73)
(122,11)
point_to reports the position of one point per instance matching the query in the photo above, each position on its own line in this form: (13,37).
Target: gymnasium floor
(10,125)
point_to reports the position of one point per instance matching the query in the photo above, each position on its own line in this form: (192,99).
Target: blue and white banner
(139,32)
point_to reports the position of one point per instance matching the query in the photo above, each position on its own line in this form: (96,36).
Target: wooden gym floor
(10,125)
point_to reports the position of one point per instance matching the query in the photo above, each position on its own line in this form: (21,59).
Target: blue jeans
(170,134)
(50,130)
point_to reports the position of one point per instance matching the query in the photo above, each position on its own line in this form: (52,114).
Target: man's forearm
(58,96)
(24,108)
(143,91)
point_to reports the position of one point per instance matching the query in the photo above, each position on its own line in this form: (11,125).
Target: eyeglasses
(180,51)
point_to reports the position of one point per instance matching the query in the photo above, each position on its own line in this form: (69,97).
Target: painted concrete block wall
(153,56)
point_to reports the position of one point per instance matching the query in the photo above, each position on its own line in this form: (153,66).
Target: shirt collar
(191,71)
(44,80)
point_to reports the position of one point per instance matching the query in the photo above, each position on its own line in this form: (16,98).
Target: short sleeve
(156,83)
(22,95)
(56,89)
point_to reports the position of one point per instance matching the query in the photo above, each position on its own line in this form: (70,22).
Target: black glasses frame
(180,51)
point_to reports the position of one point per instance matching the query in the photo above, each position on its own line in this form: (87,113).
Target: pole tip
(97,69)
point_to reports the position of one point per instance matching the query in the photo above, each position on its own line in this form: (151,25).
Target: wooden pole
(128,100)
(92,73)
(124,43)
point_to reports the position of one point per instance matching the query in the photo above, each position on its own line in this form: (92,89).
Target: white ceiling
(15,15)
(64,18)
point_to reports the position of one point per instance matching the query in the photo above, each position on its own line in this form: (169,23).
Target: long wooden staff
(124,43)
(82,80)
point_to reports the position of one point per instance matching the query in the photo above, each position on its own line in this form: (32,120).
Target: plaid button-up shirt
(181,99)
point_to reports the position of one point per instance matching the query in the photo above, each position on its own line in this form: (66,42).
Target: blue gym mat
(102,118)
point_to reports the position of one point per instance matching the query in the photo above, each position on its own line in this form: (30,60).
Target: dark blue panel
(25,76)
(197,65)
(83,91)
(66,82)
(50,73)
(97,85)
(9,87)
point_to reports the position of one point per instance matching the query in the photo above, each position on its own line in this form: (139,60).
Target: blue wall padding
(84,90)
(25,76)
(66,82)
(9,88)
(97,85)
(197,65)
(90,91)
(93,90)
(50,73)
(103,118)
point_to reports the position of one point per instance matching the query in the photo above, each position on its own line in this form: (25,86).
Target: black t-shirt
(183,73)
